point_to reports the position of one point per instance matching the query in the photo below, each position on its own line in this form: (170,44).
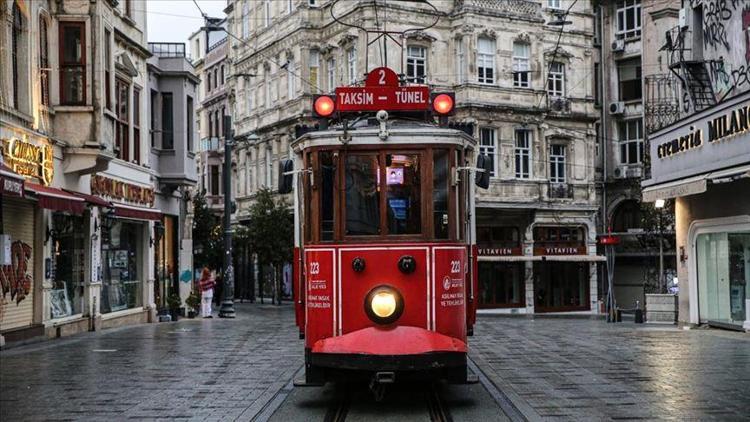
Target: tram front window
(328,174)
(403,188)
(362,194)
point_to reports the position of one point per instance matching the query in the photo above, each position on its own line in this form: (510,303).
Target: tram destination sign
(382,92)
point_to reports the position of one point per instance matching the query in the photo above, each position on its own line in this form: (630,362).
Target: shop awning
(563,258)
(574,258)
(11,183)
(56,199)
(506,258)
(692,185)
(136,213)
(92,199)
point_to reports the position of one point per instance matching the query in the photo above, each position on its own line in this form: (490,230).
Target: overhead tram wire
(557,46)
(321,91)
(283,66)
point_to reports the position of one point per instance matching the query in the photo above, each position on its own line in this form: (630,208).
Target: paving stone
(575,369)
(187,370)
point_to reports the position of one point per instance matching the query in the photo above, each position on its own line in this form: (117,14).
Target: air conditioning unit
(621,172)
(618,46)
(617,107)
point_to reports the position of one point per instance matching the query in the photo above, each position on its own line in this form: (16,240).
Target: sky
(175,20)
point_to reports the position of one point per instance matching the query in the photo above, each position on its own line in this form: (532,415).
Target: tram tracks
(431,399)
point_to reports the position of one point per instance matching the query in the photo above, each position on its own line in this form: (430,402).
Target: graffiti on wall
(716,13)
(726,46)
(15,278)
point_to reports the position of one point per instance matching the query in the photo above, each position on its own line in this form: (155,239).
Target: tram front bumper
(389,349)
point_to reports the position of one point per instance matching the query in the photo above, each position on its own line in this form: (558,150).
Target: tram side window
(328,177)
(403,194)
(362,195)
(440,181)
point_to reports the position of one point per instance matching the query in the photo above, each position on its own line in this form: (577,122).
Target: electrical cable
(557,46)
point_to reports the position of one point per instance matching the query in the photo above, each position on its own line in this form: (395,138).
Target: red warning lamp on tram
(443,104)
(323,106)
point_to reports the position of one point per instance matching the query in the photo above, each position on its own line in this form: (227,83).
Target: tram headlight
(384,305)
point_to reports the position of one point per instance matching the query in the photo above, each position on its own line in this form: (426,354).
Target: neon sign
(29,160)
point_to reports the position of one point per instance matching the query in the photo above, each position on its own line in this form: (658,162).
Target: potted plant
(193,302)
(174,302)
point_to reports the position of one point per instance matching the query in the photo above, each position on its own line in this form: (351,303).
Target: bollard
(639,316)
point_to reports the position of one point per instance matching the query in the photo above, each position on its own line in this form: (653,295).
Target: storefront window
(121,267)
(501,285)
(561,286)
(166,261)
(66,267)
(723,276)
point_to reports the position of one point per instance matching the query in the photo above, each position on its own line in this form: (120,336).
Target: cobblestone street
(550,368)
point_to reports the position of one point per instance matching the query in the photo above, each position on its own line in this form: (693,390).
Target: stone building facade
(79,200)
(210,52)
(630,83)
(525,96)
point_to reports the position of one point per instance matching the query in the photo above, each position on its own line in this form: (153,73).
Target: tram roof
(399,132)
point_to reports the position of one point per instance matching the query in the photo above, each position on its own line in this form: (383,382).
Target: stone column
(746,325)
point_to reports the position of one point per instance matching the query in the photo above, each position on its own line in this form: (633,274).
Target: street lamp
(659,205)
(227,300)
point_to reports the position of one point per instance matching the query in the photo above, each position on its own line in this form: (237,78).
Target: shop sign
(11,187)
(29,160)
(714,139)
(722,127)
(115,189)
(499,251)
(560,250)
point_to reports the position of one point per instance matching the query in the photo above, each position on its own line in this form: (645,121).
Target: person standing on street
(206,284)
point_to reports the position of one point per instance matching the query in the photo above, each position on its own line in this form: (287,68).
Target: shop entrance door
(561,286)
(723,277)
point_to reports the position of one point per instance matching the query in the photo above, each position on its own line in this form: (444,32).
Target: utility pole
(227,300)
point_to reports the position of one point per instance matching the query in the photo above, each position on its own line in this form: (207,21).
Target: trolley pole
(227,300)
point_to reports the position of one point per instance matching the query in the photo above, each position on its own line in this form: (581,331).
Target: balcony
(560,191)
(523,9)
(662,106)
(560,105)
(212,144)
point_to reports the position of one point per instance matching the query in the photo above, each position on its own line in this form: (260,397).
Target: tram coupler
(385,377)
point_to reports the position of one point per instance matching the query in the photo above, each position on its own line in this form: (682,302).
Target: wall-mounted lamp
(659,203)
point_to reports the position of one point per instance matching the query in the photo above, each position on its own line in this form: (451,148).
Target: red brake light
(323,106)
(442,104)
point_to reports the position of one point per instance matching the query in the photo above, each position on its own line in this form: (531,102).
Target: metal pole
(227,302)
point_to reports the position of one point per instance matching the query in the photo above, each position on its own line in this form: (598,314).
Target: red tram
(385,260)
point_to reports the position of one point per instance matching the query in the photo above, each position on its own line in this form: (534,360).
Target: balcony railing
(211,144)
(520,8)
(167,49)
(662,105)
(558,104)
(560,191)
